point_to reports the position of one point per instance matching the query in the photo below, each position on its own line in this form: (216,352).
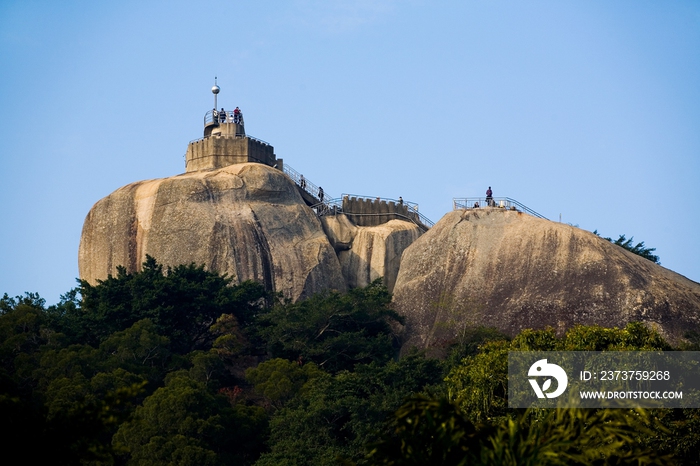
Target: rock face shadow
(246,220)
(512,271)
(369,252)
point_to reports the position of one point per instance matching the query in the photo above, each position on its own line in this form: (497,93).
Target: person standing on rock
(489,197)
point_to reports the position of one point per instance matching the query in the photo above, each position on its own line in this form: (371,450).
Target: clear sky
(585,109)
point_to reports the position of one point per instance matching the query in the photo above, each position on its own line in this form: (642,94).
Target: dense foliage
(179,366)
(336,331)
(437,432)
(71,375)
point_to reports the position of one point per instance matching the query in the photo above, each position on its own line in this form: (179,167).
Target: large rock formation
(509,270)
(367,253)
(246,220)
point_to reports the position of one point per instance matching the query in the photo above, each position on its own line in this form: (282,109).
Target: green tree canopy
(336,415)
(334,330)
(182,302)
(279,380)
(183,423)
(436,432)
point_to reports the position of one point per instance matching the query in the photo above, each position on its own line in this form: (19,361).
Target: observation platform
(506,203)
(226,143)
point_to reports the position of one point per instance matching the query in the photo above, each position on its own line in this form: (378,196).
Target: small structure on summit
(225,142)
(238,211)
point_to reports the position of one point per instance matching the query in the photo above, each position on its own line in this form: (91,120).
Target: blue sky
(589,110)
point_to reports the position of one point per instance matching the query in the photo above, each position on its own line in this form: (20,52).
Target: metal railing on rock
(335,206)
(495,202)
(305,184)
(216,116)
(329,205)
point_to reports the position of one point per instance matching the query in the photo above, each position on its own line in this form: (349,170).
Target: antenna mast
(215,90)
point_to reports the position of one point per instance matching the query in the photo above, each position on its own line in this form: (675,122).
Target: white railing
(216,116)
(498,202)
